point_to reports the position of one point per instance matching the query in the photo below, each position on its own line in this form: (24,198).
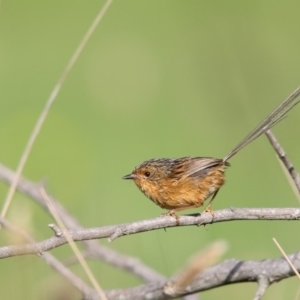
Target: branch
(52,261)
(283,157)
(264,272)
(204,218)
(98,251)
(263,284)
(162,222)
(228,272)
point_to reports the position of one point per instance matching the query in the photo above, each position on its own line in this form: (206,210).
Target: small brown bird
(183,183)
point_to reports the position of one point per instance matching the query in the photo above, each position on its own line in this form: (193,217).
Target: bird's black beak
(129,176)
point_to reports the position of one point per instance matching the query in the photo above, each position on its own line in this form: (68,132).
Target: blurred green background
(157,79)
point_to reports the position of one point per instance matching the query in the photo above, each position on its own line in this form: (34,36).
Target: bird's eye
(147,174)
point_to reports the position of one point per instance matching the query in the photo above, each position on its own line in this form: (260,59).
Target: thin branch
(101,252)
(228,272)
(57,231)
(51,261)
(122,261)
(232,214)
(152,224)
(284,158)
(131,264)
(286,257)
(73,246)
(73,260)
(263,284)
(48,105)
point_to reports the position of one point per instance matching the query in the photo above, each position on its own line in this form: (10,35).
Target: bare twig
(101,252)
(73,260)
(205,219)
(263,284)
(286,257)
(285,160)
(73,246)
(152,224)
(52,261)
(57,231)
(47,107)
(228,272)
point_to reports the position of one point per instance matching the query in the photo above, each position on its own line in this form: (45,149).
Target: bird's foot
(172,213)
(209,210)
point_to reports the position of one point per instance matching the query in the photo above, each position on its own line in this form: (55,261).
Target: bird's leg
(172,212)
(208,207)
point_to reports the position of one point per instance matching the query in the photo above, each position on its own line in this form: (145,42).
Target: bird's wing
(199,166)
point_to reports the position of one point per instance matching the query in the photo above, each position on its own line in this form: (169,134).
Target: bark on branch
(228,272)
(163,222)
